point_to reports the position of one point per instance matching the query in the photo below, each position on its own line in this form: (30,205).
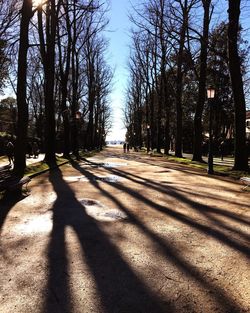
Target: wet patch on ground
(100,212)
(82,178)
(113,164)
(95,164)
(36,224)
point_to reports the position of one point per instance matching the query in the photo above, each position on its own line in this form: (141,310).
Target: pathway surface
(126,233)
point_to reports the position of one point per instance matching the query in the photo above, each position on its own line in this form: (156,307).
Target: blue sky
(118,33)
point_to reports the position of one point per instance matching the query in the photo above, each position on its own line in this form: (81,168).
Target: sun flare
(36,3)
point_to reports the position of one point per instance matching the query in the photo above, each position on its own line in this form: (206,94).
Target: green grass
(40,167)
(88,154)
(155,154)
(218,169)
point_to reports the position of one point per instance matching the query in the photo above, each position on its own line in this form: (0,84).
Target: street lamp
(134,141)
(75,132)
(148,133)
(210,97)
(78,115)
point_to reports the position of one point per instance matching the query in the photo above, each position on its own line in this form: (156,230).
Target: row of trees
(55,50)
(175,55)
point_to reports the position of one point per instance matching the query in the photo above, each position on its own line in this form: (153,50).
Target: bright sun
(36,3)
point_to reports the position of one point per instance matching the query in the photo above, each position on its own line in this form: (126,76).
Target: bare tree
(22,106)
(47,49)
(241,158)
(197,150)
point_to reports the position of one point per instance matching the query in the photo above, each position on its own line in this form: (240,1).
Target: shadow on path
(202,209)
(119,289)
(221,296)
(7,202)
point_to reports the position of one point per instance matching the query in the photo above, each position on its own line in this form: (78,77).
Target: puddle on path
(110,178)
(72,179)
(113,164)
(100,212)
(35,225)
(43,223)
(103,164)
(82,178)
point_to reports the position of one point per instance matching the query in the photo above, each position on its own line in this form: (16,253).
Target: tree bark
(240,159)
(22,105)
(64,78)
(197,149)
(48,59)
(179,84)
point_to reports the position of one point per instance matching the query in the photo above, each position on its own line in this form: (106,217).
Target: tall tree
(22,106)
(181,16)
(197,150)
(64,28)
(241,158)
(47,48)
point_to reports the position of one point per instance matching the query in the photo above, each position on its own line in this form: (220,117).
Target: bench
(246,181)
(10,182)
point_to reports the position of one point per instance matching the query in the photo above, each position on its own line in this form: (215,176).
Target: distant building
(114,142)
(248,125)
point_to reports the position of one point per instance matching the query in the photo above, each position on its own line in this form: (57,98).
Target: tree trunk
(48,59)
(64,78)
(22,106)
(179,82)
(241,159)
(197,150)
(50,134)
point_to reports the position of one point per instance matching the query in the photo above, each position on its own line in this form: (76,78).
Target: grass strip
(221,170)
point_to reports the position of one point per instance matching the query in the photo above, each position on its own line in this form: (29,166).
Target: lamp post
(210,97)
(97,139)
(134,140)
(148,133)
(76,121)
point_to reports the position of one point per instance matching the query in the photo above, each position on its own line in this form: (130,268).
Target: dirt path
(126,233)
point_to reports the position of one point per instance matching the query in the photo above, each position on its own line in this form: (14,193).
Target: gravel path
(126,233)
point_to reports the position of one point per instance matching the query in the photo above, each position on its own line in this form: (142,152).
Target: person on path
(128,147)
(222,150)
(124,147)
(10,152)
(29,149)
(35,150)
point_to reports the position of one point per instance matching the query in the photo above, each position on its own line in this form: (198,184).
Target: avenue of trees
(177,52)
(53,54)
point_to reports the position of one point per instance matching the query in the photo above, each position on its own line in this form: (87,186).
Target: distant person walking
(29,149)
(36,150)
(124,147)
(222,150)
(10,152)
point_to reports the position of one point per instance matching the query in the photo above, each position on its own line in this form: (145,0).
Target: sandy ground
(123,233)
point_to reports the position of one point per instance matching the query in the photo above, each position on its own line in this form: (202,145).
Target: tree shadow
(7,202)
(119,288)
(172,165)
(223,299)
(138,157)
(202,209)
(176,193)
